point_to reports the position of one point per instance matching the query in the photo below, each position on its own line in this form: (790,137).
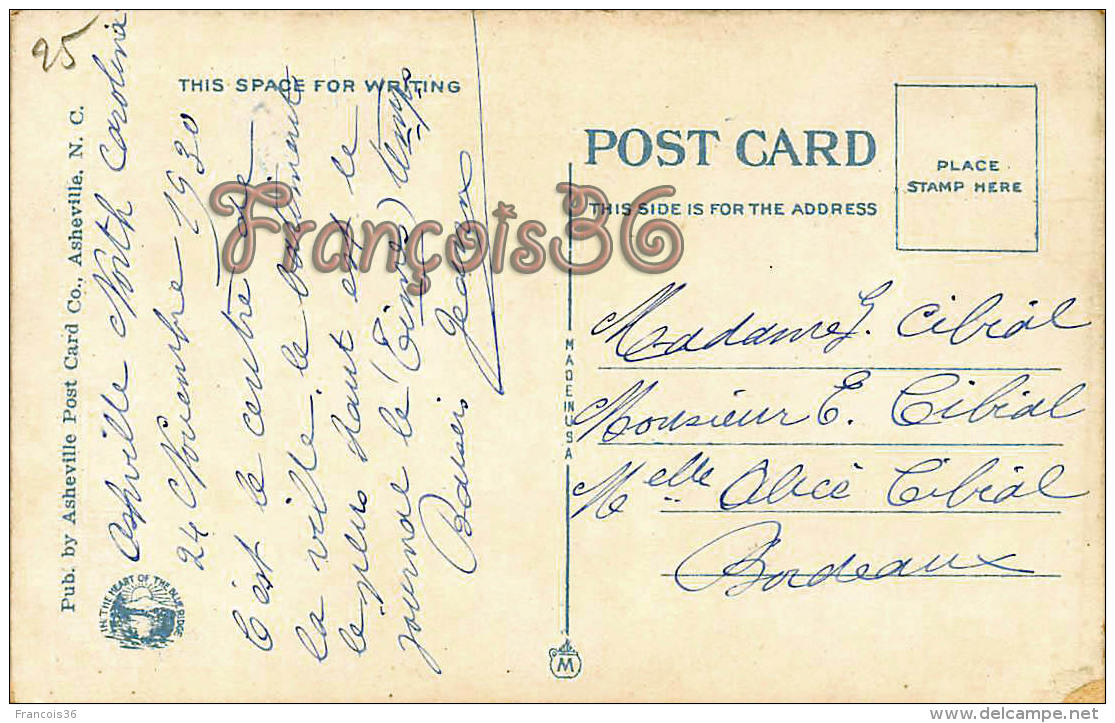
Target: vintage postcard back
(368,356)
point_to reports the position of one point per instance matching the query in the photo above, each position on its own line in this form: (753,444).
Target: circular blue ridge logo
(142,612)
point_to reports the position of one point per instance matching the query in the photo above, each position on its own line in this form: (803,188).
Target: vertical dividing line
(567,521)
(569,273)
(569,329)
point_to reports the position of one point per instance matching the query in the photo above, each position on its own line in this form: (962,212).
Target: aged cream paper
(826,426)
